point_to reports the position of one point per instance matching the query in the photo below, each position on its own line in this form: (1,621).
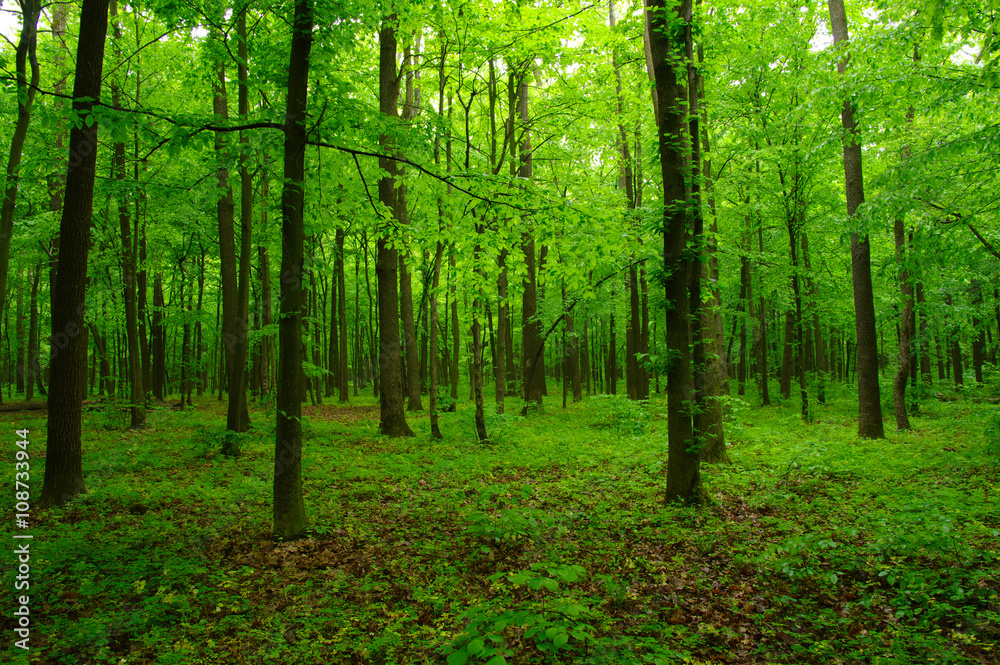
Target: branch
(545,337)
(958,217)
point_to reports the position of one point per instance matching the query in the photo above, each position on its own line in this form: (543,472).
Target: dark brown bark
(237,415)
(289,514)
(532,345)
(64,453)
(869,402)
(393,419)
(683,468)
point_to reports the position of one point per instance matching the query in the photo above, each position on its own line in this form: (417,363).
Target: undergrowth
(550,545)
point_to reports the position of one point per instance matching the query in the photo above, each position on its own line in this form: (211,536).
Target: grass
(552,544)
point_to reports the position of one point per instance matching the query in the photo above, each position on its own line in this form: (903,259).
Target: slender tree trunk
(34,367)
(800,355)
(532,345)
(289,507)
(787,356)
(137,408)
(436,280)
(238,416)
(503,323)
(393,419)
(869,402)
(64,453)
(25,59)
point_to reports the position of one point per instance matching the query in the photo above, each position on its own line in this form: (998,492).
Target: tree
(63,450)
(393,419)
(869,402)
(26,87)
(289,506)
(669,32)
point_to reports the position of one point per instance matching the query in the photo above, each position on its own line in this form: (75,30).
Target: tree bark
(64,453)
(869,402)
(237,415)
(289,512)
(393,419)
(683,467)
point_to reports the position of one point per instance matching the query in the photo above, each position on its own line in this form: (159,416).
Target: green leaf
(560,640)
(458,658)
(475,646)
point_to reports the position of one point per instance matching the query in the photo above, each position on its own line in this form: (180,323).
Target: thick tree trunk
(393,419)
(869,402)
(64,453)
(289,512)
(683,468)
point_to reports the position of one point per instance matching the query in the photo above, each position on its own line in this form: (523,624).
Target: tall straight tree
(669,30)
(289,506)
(63,450)
(393,419)
(532,343)
(24,58)
(238,417)
(869,403)
(137,397)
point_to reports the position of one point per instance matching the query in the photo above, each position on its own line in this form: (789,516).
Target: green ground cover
(550,545)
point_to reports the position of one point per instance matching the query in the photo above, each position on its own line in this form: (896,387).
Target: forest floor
(552,544)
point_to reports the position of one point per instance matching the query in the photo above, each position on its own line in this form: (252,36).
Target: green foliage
(624,416)
(507,527)
(210,442)
(817,547)
(554,628)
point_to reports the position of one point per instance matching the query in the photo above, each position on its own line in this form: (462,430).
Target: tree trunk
(238,416)
(869,402)
(787,356)
(436,280)
(289,513)
(341,280)
(683,468)
(393,419)
(24,59)
(64,453)
(137,408)
(33,365)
